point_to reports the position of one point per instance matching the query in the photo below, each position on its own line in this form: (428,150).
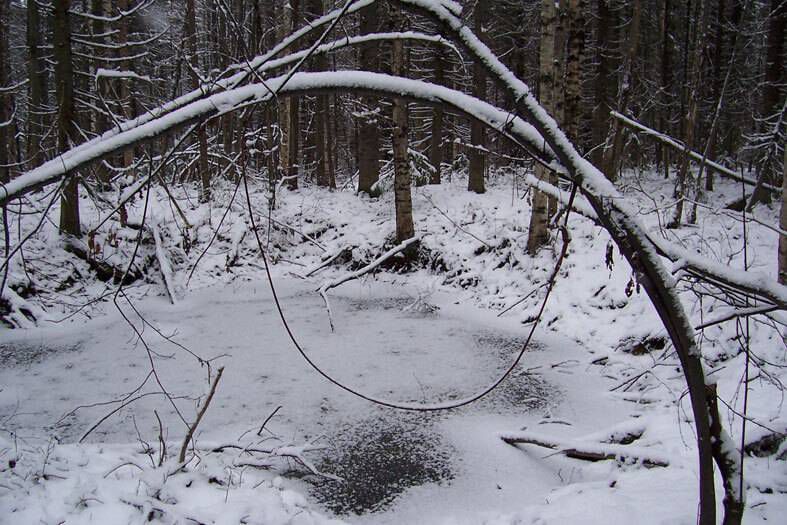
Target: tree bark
(691,94)
(368,125)
(772,94)
(773,91)
(5,98)
(436,140)
(402,176)
(666,83)
(574,51)
(475,177)
(783,225)
(538,234)
(613,160)
(728,460)
(319,134)
(66,132)
(605,81)
(37,74)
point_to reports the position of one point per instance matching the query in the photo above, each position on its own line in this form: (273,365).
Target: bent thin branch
(603,193)
(192,428)
(694,155)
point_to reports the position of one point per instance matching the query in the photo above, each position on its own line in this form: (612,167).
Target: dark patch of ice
(379,459)
(14,355)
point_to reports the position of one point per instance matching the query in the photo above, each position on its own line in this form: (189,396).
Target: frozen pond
(384,345)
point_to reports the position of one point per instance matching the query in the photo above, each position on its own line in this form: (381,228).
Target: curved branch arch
(541,136)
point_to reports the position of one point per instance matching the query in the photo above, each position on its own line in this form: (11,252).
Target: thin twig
(193,427)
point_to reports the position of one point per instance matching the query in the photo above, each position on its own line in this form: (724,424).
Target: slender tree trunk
(574,51)
(436,140)
(605,80)
(475,179)
(100,121)
(402,177)
(691,93)
(66,132)
(127,102)
(727,459)
(538,234)
(666,84)
(783,226)
(190,33)
(289,116)
(718,79)
(37,74)
(6,136)
(773,93)
(317,143)
(613,160)
(368,125)
(773,90)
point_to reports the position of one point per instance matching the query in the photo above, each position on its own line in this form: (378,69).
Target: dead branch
(697,157)
(361,272)
(345,250)
(296,452)
(587,451)
(165,267)
(184,447)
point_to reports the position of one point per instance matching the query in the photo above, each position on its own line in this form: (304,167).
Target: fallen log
(588,451)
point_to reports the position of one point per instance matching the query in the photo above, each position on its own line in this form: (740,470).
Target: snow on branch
(678,145)
(115,73)
(361,272)
(121,14)
(589,451)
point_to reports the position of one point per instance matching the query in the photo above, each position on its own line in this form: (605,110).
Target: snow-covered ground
(424,336)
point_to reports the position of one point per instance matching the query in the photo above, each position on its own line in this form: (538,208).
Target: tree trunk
(574,50)
(691,94)
(539,217)
(66,132)
(6,136)
(613,160)
(402,177)
(773,91)
(36,72)
(727,459)
(436,140)
(783,226)
(666,83)
(475,178)
(289,118)
(190,34)
(605,79)
(368,124)
(317,138)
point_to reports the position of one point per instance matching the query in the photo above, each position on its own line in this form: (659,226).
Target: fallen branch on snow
(296,452)
(361,272)
(588,451)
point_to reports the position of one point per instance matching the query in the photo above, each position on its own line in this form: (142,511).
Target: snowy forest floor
(597,369)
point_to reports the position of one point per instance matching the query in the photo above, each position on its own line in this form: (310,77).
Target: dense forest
(371,238)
